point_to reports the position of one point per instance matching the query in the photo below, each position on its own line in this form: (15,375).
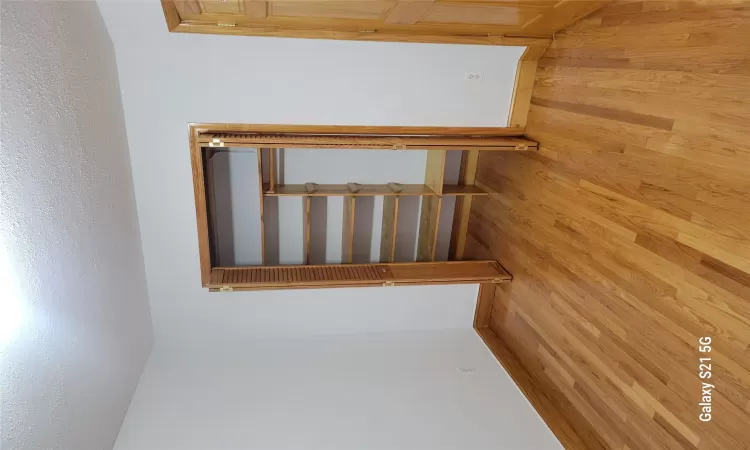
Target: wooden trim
(366,141)
(201,213)
(524,85)
(369,190)
(388,229)
(171,14)
(433,190)
(272,169)
(545,406)
(485,298)
(460,191)
(357,275)
(204,128)
(347,235)
(467,177)
(338,190)
(211,199)
(376,35)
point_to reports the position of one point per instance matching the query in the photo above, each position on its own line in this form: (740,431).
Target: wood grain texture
(201,208)
(428,37)
(519,23)
(369,190)
(273,169)
(203,128)
(429,217)
(461,214)
(255,9)
(485,299)
(435,170)
(361,141)
(523,86)
(329,190)
(354,275)
(171,14)
(628,232)
(408,13)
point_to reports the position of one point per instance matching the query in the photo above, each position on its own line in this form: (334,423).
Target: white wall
(75,330)
(382,391)
(171,79)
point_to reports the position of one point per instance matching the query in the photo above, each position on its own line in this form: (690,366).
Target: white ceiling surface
(170,79)
(379,391)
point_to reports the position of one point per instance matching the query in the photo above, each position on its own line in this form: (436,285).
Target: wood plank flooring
(628,232)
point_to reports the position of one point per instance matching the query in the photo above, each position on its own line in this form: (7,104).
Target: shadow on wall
(222,209)
(318,229)
(407,227)
(234,200)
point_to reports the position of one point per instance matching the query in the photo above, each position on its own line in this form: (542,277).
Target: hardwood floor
(628,232)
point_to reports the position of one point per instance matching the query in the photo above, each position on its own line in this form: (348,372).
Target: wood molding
(366,141)
(367,35)
(203,128)
(545,404)
(370,190)
(485,299)
(524,85)
(171,14)
(201,212)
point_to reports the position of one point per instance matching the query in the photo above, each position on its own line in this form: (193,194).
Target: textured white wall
(380,391)
(74,315)
(171,79)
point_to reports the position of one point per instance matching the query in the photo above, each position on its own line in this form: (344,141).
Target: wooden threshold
(356,275)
